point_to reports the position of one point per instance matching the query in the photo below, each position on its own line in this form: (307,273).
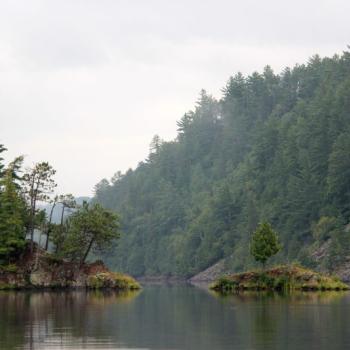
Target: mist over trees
(275,147)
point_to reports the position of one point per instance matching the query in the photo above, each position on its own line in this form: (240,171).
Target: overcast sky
(85,84)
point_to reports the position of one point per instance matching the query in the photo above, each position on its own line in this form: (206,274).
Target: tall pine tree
(12,211)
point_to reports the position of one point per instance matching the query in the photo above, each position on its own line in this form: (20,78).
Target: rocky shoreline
(41,270)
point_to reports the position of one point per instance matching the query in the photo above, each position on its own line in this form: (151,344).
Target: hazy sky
(85,84)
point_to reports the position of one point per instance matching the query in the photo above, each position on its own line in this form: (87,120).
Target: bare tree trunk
(62,213)
(49,227)
(34,194)
(32,216)
(37,252)
(59,246)
(87,252)
(31,223)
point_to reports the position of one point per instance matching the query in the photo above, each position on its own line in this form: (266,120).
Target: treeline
(275,147)
(22,193)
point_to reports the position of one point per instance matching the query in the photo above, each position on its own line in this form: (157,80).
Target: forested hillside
(274,147)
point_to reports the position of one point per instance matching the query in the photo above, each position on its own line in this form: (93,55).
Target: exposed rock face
(343,272)
(212,273)
(55,273)
(321,254)
(42,270)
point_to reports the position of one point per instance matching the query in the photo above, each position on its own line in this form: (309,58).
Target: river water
(174,317)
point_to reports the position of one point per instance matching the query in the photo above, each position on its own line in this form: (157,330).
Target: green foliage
(273,147)
(283,278)
(38,184)
(2,166)
(225,285)
(90,227)
(323,228)
(264,243)
(112,280)
(339,172)
(12,215)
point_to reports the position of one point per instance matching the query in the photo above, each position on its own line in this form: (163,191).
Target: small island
(42,270)
(35,251)
(279,278)
(264,244)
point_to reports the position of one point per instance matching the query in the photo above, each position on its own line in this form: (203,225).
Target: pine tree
(90,227)
(38,185)
(12,208)
(264,243)
(2,149)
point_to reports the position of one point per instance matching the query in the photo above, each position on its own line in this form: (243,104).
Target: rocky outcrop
(212,273)
(321,254)
(42,270)
(343,271)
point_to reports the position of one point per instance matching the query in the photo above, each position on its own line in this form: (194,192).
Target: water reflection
(290,297)
(174,317)
(298,320)
(40,320)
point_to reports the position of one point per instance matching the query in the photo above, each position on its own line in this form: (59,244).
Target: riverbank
(41,270)
(283,277)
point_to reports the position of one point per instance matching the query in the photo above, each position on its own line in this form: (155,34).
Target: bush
(225,285)
(112,280)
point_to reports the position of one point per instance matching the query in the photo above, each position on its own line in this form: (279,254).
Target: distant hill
(275,147)
(56,216)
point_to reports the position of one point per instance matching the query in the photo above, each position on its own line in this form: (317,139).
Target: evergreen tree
(90,227)
(274,147)
(264,243)
(339,173)
(2,149)
(38,185)
(12,211)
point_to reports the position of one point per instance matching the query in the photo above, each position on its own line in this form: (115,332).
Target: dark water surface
(174,317)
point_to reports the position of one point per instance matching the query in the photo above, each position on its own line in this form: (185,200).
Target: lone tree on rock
(264,243)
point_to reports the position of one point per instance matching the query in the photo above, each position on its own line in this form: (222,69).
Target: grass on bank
(279,278)
(112,280)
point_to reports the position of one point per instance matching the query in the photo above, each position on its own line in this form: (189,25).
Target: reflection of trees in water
(291,297)
(12,325)
(28,319)
(173,317)
(299,320)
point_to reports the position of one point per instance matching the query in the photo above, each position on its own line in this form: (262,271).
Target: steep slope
(275,147)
